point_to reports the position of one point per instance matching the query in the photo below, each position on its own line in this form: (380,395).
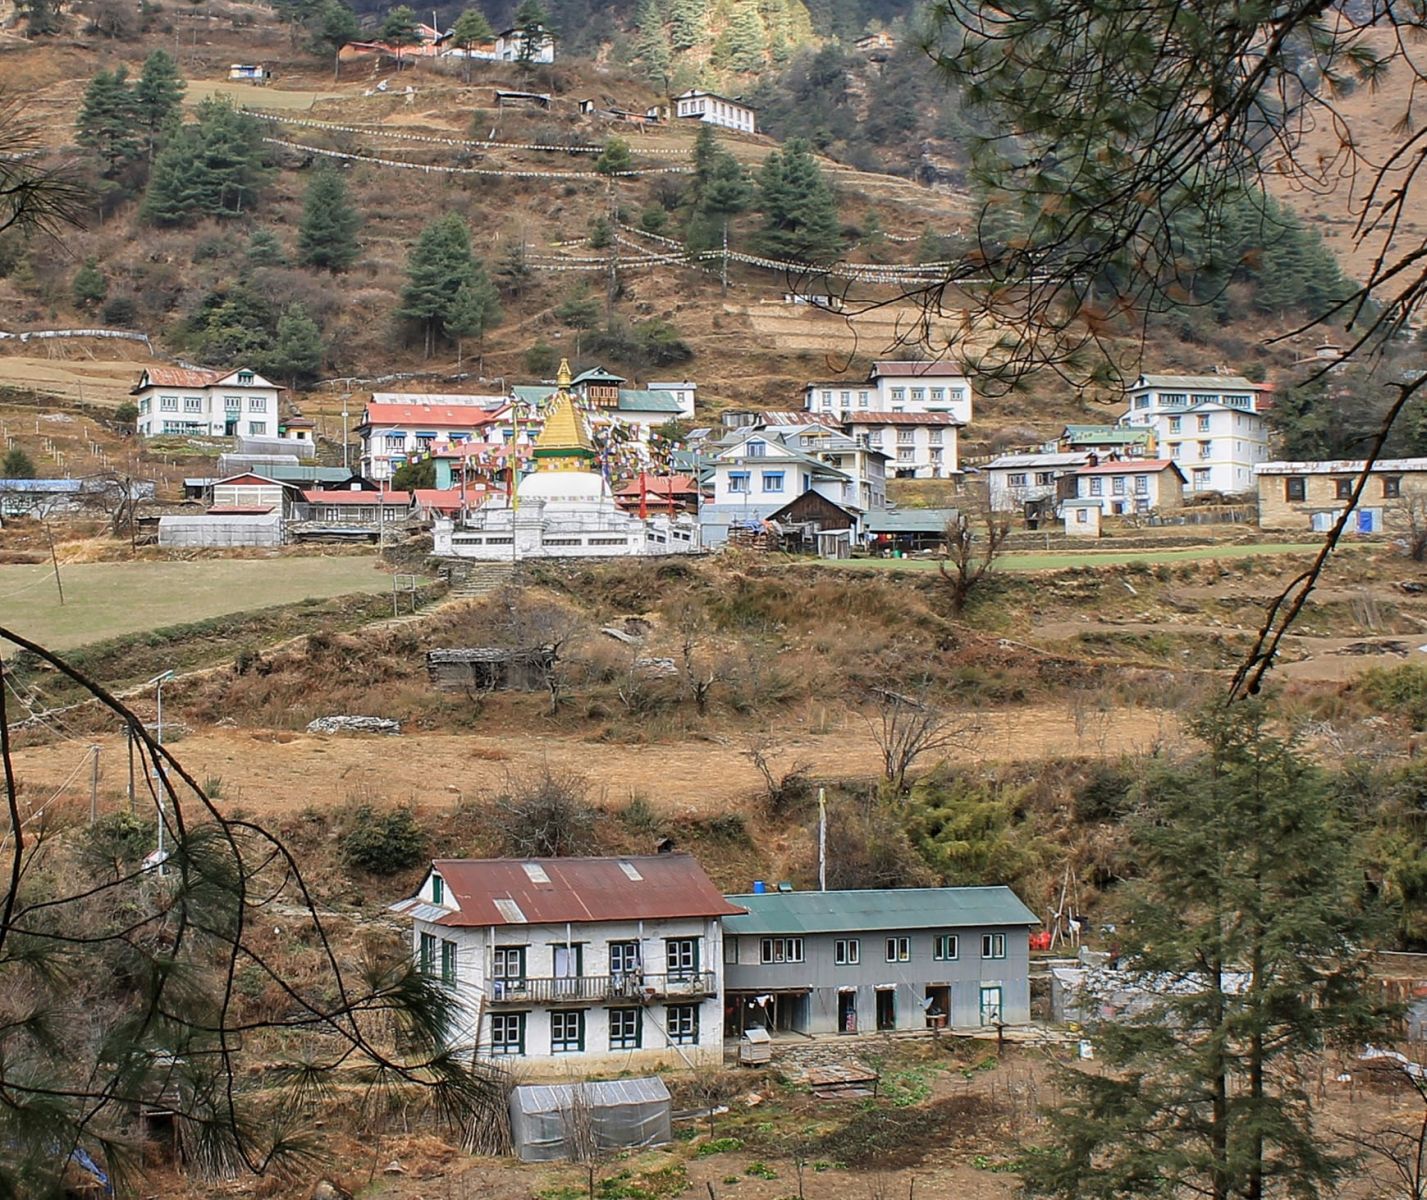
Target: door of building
(990,1006)
(886,1008)
(567,969)
(847,1011)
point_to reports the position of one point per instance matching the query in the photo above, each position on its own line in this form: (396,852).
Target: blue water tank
(759,887)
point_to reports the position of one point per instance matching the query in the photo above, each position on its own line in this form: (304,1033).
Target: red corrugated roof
(356,497)
(579,889)
(659,485)
(457,415)
(448,498)
(179,377)
(900,418)
(1128,466)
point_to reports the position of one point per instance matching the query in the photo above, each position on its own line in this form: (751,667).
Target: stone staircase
(471,580)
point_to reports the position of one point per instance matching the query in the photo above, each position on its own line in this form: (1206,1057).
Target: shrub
(1103,794)
(383,843)
(1401,691)
(117,842)
(546,816)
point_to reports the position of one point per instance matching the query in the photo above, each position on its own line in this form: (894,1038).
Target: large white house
(867,490)
(1211,426)
(896,387)
(571,965)
(175,400)
(714,109)
(918,445)
(398,427)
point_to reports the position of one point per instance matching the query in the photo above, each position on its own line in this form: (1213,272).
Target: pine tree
(265,250)
(330,27)
(89,287)
(615,158)
(42,17)
(474,309)
(441,263)
(17,464)
(470,30)
(744,45)
(652,45)
(1250,901)
(107,121)
(399,30)
(327,234)
(157,97)
(296,354)
(688,23)
(530,19)
(799,208)
(512,273)
(213,168)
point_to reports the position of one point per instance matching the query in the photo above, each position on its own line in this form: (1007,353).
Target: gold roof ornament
(563,378)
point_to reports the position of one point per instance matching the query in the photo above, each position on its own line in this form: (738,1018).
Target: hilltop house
(175,400)
(882,959)
(577,964)
(1313,495)
(714,109)
(1212,426)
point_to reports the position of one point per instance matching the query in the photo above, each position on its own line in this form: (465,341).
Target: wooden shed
(488,669)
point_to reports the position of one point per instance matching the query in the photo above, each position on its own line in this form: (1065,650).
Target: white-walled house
(175,400)
(576,965)
(398,427)
(714,109)
(684,391)
(867,490)
(1212,426)
(534,44)
(1125,487)
(897,387)
(1014,481)
(918,445)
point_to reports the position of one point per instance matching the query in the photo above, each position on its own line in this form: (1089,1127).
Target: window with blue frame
(738,481)
(772,481)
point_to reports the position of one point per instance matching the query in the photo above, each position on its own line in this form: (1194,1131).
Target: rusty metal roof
(549,891)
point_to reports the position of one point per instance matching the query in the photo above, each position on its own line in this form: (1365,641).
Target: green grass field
(1089,558)
(104,600)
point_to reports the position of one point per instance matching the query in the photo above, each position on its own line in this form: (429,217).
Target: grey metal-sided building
(880,959)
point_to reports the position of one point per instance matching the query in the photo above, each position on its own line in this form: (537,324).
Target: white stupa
(564,508)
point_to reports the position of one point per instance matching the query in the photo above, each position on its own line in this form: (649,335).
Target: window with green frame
(448,963)
(567,1031)
(438,890)
(426,956)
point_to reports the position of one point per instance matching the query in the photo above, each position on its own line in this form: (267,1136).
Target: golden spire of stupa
(564,443)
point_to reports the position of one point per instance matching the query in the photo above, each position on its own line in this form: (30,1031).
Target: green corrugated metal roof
(879,908)
(643,400)
(532,393)
(1104,433)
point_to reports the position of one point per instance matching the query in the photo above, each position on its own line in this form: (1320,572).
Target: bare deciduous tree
(1414,535)
(1401,1143)
(582,1140)
(698,675)
(546,815)
(782,787)
(546,630)
(975,537)
(908,727)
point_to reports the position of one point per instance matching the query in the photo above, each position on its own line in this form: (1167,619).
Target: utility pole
(94,786)
(723,275)
(612,289)
(158,681)
(129,732)
(345,397)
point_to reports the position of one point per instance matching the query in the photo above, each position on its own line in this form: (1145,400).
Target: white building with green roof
(881,959)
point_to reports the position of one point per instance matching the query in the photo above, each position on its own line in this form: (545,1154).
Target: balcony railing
(636,987)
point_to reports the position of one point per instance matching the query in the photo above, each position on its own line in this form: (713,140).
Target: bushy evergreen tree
(89,287)
(17,464)
(447,293)
(743,45)
(652,43)
(615,158)
(108,121)
(718,191)
(327,234)
(265,250)
(42,17)
(530,18)
(798,206)
(470,30)
(399,30)
(1249,901)
(688,23)
(210,169)
(330,26)
(296,353)
(157,97)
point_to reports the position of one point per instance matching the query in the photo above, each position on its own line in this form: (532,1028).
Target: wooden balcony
(635,988)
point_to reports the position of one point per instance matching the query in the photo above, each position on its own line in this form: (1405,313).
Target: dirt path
(267,772)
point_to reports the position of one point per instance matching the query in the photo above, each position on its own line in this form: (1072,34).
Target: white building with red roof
(566,965)
(177,401)
(400,427)
(1124,487)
